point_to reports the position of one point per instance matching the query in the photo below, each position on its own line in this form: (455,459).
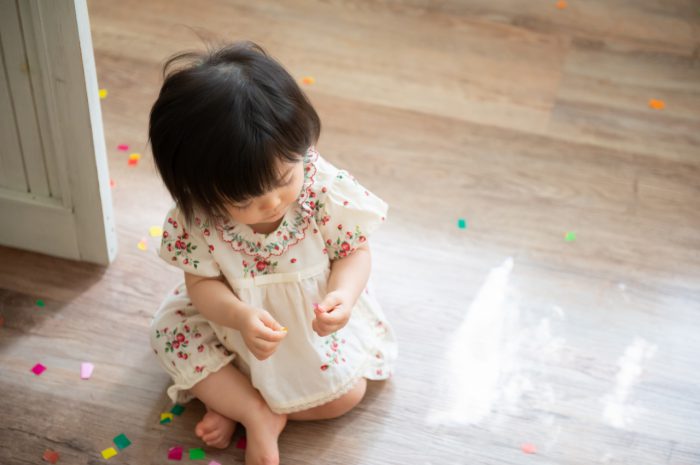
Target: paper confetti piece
(40,303)
(308,80)
(38,369)
(109,453)
(123,147)
(142,245)
(214,462)
(122,441)
(112,183)
(135,156)
(166,418)
(86,369)
(561,4)
(175,453)
(570,237)
(155,231)
(177,409)
(241,444)
(284,328)
(529,448)
(103,93)
(197,454)
(462,223)
(656,104)
(50,456)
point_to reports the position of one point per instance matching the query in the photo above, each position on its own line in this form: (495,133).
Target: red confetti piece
(241,444)
(529,448)
(133,162)
(50,456)
(123,147)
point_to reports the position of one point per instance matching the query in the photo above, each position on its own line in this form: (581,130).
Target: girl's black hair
(223,122)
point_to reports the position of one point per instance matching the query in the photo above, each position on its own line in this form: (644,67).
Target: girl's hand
(332,313)
(261,333)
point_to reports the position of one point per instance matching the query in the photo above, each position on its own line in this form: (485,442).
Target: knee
(350,400)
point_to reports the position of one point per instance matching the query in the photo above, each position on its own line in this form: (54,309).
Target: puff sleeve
(187,248)
(347,214)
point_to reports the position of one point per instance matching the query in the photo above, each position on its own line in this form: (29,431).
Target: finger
(333,317)
(269,321)
(270,335)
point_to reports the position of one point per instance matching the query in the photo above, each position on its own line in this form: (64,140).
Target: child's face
(271,206)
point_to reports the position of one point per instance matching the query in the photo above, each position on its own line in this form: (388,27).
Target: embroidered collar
(291,230)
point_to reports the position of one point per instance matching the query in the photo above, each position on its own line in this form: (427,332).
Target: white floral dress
(285,273)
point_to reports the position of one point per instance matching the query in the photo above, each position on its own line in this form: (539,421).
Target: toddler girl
(273,320)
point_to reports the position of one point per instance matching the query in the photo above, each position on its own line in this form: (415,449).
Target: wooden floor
(526,120)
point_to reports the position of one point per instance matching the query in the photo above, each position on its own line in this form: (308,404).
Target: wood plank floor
(526,120)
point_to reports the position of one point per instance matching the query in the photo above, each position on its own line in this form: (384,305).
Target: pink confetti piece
(242,443)
(175,453)
(123,147)
(38,369)
(529,448)
(112,183)
(86,369)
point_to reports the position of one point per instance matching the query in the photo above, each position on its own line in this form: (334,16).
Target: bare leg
(243,403)
(334,408)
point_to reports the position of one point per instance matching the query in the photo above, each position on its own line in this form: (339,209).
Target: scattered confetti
(155,231)
(175,453)
(38,369)
(109,453)
(462,223)
(166,418)
(177,409)
(197,454)
(529,448)
(656,104)
(308,80)
(112,183)
(86,369)
(570,237)
(50,456)
(241,444)
(103,93)
(40,303)
(122,441)
(123,147)
(561,4)
(142,245)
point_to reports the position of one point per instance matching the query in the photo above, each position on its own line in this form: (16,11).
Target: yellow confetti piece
(135,156)
(308,80)
(656,104)
(103,93)
(284,328)
(109,453)
(561,4)
(142,245)
(166,416)
(155,231)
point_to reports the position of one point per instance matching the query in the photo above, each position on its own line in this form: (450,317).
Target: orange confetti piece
(135,156)
(656,104)
(561,4)
(50,456)
(529,448)
(308,80)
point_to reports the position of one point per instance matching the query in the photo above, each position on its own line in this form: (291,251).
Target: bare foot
(261,438)
(215,430)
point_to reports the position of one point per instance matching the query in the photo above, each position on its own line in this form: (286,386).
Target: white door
(54,186)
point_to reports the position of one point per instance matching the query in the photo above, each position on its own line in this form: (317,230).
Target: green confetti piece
(165,421)
(570,237)
(462,223)
(177,409)
(122,441)
(40,303)
(197,454)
